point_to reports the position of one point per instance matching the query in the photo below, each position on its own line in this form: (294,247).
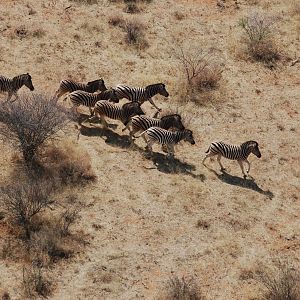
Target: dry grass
(182,289)
(135,36)
(281,284)
(67,162)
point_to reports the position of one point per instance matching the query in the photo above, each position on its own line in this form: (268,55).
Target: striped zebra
(88,99)
(11,86)
(234,152)
(123,113)
(69,86)
(141,123)
(137,94)
(169,138)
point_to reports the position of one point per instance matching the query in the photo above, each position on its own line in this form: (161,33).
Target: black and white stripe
(234,152)
(141,123)
(69,86)
(88,99)
(11,86)
(169,138)
(123,113)
(140,95)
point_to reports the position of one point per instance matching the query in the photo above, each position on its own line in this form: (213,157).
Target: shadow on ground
(173,165)
(111,138)
(248,183)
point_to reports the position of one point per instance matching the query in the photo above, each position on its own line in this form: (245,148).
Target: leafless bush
(135,34)
(86,1)
(259,30)
(67,162)
(29,121)
(22,201)
(35,283)
(68,218)
(201,72)
(182,289)
(282,284)
(38,33)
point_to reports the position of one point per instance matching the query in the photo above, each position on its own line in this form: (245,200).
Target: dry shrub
(179,15)
(259,37)
(22,201)
(38,33)
(5,296)
(282,284)
(67,162)
(35,283)
(182,289)
(135,33)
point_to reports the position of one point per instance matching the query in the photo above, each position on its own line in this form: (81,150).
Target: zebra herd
(102,103)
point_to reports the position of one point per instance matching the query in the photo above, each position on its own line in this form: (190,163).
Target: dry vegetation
(95,218)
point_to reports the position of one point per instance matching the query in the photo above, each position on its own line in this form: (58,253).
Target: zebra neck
(151,91)
(178,136)
(18,82)
(245,150)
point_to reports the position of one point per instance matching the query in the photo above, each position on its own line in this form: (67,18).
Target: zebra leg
(240,162)
(149,145)
(219,161)
(9,96)
(248,170)
(103,121)
(207,156)
(91,111)
(151,101)
(170,148)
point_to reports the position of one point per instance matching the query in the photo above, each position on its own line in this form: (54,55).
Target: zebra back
(144,122)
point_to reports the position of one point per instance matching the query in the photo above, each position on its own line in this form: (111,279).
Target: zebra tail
(207,150)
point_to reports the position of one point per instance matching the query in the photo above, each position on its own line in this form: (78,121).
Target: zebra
(123,113)
(170,138)
(11,86)
(141,123)
(234,152)
(68,86)
(138,94)
(88,99)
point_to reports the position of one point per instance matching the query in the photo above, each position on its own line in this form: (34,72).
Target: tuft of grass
(281,284)
(131,7)
(89,2)
(182,289)
(116,20)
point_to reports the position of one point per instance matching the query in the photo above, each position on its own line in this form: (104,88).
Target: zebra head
(188,136)
(113,96)
(253,147)
(26,78)
(162,90)
(130,110)
(172,121)
(96,85)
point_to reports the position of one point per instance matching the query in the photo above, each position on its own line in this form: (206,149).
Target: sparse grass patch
(131,7)
(89,2)
(38,33)
(280,284)
(116,20)
(181,289)
(259,37)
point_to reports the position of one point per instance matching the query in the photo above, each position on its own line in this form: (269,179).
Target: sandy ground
(141,215)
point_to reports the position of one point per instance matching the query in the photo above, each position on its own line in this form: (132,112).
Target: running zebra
(68,86)
(88,99)
(123,113)
(159,135)
(137,94)
(11,86)
(141,123)
(234,152)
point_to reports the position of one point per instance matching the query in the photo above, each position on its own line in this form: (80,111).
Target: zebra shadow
(173,165)
(111,138)
(248,183)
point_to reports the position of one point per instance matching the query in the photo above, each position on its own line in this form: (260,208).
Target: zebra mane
(153,85)
(21,76)
(249,143)
(95,81)
(170,116)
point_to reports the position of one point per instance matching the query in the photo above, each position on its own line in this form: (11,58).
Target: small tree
(21,202)
(28,122)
